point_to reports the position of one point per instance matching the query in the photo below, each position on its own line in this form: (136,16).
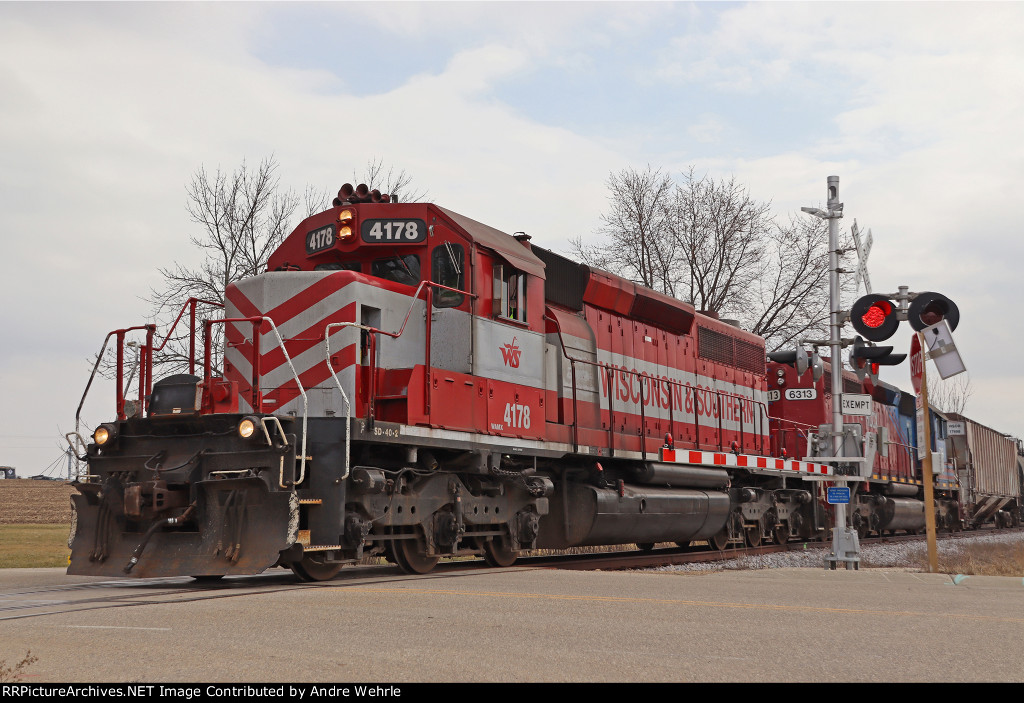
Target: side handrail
(415,297)
(608,368)
(344,395)
(430,286)
(258,405)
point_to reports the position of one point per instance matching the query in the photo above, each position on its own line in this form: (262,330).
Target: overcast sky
(513,114)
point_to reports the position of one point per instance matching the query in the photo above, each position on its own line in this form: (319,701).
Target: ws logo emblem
(510,354)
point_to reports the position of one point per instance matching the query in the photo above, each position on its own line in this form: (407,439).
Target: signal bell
(875,317)
(930,308)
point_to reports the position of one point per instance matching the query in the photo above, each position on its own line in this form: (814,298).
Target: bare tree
(243,216)
(790,298)
(710,243)
(638,245)
(950,396)
(720,231)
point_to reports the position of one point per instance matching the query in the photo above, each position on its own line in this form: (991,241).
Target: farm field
(35,517)
(23,501)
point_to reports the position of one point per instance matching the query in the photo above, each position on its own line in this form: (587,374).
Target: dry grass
(15,672)
(35,502)
(979,559)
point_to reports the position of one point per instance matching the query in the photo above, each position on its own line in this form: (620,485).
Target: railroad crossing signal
(875,316)
(928,309)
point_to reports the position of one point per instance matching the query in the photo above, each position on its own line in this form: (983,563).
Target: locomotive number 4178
(405,231)
(517,415)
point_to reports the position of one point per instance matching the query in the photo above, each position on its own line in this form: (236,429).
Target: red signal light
(876,314)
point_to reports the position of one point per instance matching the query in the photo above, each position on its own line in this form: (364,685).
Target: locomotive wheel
(645,546)
(314,568)
(497,553)
(753,535)
(781,533)
(720,540)
(410,559)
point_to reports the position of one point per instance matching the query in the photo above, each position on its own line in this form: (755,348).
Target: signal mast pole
(845,543)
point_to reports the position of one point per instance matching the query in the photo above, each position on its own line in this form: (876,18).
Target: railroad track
(668,556)
(64,599)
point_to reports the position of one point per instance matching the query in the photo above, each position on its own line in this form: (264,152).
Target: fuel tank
(586,515)
(901,514)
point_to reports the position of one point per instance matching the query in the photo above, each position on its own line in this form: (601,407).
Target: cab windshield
(400,269)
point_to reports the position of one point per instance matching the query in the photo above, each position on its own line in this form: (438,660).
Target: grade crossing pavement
(519,625)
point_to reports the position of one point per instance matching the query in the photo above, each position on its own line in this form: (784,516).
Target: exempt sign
(857,404)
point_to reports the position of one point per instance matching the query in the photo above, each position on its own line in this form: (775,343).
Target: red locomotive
(405,381)
(978,471)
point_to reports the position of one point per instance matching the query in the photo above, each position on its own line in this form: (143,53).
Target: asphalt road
(518,625)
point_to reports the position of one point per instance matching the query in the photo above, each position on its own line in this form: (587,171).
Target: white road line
(115,627)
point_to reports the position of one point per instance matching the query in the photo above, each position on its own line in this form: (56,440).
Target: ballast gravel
(907,555)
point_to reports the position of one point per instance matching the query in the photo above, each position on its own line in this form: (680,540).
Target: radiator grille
(723,349)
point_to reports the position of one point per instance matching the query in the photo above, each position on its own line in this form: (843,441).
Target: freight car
(988,468)
(405,381)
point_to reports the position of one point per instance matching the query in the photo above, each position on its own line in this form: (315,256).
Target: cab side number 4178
(517,415)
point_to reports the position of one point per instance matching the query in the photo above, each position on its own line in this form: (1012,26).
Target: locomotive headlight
(247,427)
(345,216)
(104,434)
(344,233)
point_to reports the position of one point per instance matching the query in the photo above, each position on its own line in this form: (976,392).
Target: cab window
(447,268)
(399,268)
(509,293)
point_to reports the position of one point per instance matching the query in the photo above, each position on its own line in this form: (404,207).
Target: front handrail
(88,385)
(191,305)
(146,352)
